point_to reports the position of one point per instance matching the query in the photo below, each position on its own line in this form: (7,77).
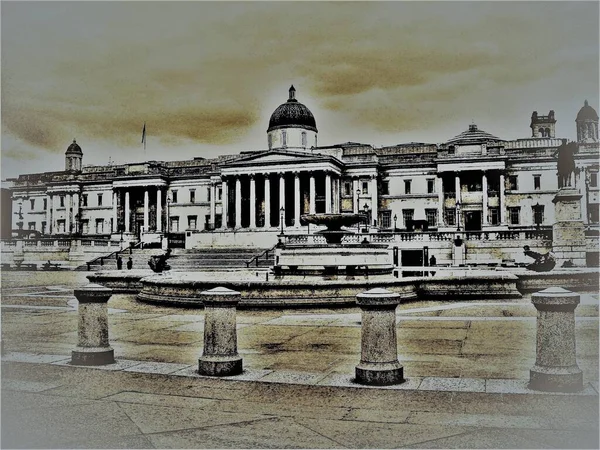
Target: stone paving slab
(154,367)
(452,384)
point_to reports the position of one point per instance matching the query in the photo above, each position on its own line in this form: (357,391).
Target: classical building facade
(473,182)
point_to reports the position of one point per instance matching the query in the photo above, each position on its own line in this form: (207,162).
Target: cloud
(203,71)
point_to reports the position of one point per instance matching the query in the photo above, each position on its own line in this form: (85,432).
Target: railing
(257,257)
(110,255)
(427,236)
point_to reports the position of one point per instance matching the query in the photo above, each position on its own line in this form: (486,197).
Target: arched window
(284,138)
(547,132)
(270,139)
(304,139)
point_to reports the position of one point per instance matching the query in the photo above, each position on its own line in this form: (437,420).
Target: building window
(594,179)
(514,214)
(386,219)
(193,195)
(84,200)
(430,186)
(192,222)
(270,138)
(284,138)
(347,188)
(99,199)
(407,184)
(538,214)
(220,190)
(174,196)
(450,216)
(593,210)
(31,225)
(385,188)
(407,216)
(537,182)
(45,204)
(85,226)
(99,226)
(174,224)
(62,201)
(60,225)
(494,216)
(32,201)
(304,139)
(512,183)
(43,227)
(431,215)
(365,187)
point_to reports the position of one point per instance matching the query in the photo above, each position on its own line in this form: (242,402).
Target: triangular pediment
(278,157)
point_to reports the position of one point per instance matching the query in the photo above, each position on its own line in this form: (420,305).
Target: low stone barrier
(556,366)
(220,357)
(93,347)
(379,363)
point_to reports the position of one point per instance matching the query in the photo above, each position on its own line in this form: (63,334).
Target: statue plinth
(568,233)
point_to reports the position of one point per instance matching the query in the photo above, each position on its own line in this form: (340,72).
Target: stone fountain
(331,251)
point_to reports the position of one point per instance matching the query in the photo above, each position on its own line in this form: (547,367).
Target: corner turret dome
(74,148)
(292,114)
(587,113)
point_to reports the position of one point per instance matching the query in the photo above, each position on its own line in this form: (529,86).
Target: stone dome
(587,113)
(74,148)
(292,114)
(473,136)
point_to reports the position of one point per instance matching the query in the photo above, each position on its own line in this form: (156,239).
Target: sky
(206,76)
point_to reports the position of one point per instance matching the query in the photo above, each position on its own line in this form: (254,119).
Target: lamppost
(457,216)
(357,199)
(366,208)
(20,216)
(281,211)
(395,220)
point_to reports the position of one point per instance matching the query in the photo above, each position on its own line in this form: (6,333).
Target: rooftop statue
(566,164)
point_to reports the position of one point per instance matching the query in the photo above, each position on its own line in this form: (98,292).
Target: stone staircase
(187,260)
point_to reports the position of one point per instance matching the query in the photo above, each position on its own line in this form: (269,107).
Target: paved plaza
(466,363)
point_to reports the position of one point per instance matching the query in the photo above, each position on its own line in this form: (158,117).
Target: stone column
(502,201)
(49,207)
(224,203)
(282,194)
(67,213)
(379,363)
(127,212)
(440,192)
(220,356)
(158,210)
(296,199)
(355,194)
(556,366)
(484,186)
(213,203)
(238,202)
(267,201)
(252,202)
(75,211)
(583,188)
(114,212)
(457,186)
(311,195)
(327,193)
(93,347)
(374,201)
(146,210)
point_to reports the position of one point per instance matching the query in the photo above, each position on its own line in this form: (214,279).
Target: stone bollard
(93,348)
(379,363)
(220,357)
(556,366)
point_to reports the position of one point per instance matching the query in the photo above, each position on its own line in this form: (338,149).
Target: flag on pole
(144,136)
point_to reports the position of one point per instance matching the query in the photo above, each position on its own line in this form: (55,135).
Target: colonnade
(71,205)
(266,200)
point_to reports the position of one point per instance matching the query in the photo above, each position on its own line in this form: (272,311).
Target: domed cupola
(292,125)
(73,157)
(587,124)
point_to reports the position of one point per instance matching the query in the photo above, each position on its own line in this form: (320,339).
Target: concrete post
(379,363)
(93,348)
(220,357)
(556,366)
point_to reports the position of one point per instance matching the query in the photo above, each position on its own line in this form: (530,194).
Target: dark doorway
(473,220)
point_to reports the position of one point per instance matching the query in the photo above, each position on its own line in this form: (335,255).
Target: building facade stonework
(475,182)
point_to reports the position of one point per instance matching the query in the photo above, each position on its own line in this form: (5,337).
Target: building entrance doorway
(473,220)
